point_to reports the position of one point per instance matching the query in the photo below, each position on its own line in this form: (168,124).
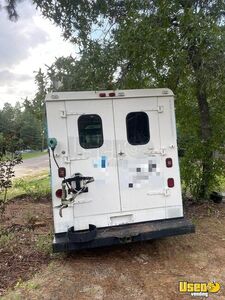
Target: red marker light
(112,94)
(169,162)
(102,94)
(62,172)
(58,193)
(170,182)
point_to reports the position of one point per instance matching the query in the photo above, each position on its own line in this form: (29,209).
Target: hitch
(71,188)
(78,183)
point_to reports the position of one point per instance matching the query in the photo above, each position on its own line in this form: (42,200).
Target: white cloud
(8,78)
(17,38)
(25,46)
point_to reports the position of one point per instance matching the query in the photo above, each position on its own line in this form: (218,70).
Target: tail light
(58,193)
(170,182)
(62,172)
(169,162)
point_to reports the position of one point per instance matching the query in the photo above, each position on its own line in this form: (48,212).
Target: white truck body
(127,143)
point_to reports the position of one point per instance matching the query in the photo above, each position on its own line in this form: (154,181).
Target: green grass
(32,154)
(36,186)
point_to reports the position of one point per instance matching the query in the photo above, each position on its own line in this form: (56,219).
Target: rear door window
(90,131)
(137,128)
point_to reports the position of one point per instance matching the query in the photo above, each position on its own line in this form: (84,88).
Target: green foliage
(6,174)
(24,126)
(36,188)
(178,44)
(93,71)
(9,124)
(136,44)
(35,108)
(192,172)
(29,131)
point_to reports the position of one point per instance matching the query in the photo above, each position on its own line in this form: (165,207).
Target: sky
(25,46)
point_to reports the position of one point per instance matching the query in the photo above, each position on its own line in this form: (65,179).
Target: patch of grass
(44,243)
(36,186)
(30,219)
(29,285)
(14,296)
(6,239)
(32,154)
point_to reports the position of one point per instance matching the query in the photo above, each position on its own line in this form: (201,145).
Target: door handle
(121,153)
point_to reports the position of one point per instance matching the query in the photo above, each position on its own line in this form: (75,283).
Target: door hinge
(67,159)
(164,192)
(161,152)
(65,114)
(81,201)
(159,109)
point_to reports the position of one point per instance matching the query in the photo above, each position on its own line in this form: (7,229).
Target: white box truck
(114,167)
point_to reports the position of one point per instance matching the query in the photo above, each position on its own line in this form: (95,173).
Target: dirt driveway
(31,166)
(150,270)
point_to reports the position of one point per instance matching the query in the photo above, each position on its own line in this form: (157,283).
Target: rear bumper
(99,237)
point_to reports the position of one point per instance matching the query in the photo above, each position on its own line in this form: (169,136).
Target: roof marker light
(102,94)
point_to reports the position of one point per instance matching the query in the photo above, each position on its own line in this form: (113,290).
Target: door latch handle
(121,153)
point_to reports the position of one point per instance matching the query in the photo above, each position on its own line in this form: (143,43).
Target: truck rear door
(139,153)
(91,142)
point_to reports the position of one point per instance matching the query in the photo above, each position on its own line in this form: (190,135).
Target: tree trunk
(206,135)
(196,62)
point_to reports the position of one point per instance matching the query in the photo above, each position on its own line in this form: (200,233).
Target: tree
(9,128)
(179,44)
(9,142)
(10,7)
(94,70)
(6,174)
(29,131)
(36,107)
(20,128)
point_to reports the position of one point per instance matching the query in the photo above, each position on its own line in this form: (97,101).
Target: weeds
(29,285)
(30,220)
(6,174)
(33,187)
(6,239)
(44,243)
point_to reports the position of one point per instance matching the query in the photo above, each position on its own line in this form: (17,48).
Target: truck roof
(104,95)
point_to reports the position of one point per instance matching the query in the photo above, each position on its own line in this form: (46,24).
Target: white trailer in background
(114,167)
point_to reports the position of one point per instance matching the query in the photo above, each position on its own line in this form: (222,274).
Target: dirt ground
(149,270)
(25,225)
